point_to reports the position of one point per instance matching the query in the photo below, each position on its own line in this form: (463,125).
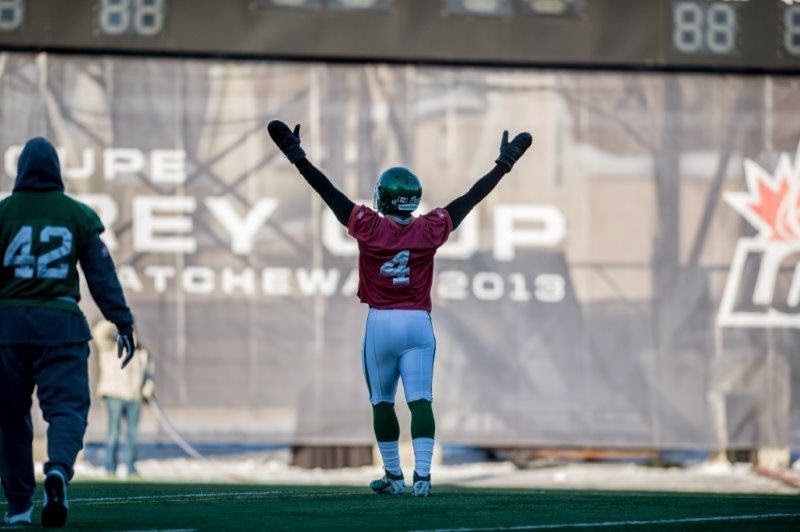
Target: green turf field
(140,506)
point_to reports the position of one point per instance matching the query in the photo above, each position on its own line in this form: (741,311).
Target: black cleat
(55,504)
(391,484)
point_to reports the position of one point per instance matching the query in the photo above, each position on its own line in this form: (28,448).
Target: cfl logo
(763,286)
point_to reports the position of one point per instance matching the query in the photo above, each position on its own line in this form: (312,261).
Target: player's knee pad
(384,421)
(422,423)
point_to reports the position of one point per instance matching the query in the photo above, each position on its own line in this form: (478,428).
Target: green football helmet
(397,191)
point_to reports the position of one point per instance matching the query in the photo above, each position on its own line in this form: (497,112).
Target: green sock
(422,423)
(385,423)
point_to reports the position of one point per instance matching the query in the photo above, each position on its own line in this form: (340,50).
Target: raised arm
(510,152)
(289,143)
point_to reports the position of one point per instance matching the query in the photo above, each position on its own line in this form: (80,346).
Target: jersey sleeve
(90,224)
(93,223)
(362,222)
(439,226)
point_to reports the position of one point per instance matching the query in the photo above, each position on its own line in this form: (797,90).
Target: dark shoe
(55,504)
(391,484)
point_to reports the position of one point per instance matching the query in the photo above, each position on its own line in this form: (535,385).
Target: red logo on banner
(772,203)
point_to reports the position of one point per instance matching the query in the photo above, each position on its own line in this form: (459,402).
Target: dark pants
(118,409)
(62,383)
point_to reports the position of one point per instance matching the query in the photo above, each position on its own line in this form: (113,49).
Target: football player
(395,265)
(43,334)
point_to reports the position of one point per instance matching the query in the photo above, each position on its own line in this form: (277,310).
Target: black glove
(287,140)
(510,152)
(125,346)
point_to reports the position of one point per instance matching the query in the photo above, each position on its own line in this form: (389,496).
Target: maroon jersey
(395,264)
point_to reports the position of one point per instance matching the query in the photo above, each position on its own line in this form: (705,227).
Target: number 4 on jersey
(397,268)
(18,253)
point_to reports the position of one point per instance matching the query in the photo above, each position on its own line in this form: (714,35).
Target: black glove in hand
(287,140)
(125,347)
(510,152)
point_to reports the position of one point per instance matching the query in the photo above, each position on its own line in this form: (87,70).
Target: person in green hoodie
(44,336)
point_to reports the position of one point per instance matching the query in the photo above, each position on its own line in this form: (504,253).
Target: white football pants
(399,344)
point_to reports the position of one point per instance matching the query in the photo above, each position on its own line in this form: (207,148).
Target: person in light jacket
(122,392)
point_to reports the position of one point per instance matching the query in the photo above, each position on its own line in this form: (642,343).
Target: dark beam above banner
(761,35)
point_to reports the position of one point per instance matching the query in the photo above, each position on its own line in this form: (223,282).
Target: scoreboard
(737,35)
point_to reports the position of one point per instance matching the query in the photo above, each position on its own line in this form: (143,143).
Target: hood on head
(38,169)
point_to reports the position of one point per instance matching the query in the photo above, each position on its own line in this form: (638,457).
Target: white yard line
(685,520)
(173,497)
